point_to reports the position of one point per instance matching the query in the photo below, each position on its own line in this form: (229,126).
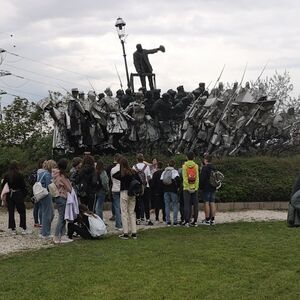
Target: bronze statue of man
(142,63)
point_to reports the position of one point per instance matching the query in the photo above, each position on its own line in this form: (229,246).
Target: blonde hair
(49,165)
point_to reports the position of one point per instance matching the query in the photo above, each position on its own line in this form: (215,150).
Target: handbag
(53,190)
(39,192)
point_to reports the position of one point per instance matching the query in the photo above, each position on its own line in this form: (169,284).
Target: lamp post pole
(125,60)
(120,25)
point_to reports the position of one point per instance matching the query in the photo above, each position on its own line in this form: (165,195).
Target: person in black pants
(157,192)
(87,182)
(16,196)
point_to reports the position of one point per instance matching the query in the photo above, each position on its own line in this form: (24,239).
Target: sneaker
(37,225)
(124,236)
(205,222)
(168,224)
(187,225)
(212,222)
(12,231)
(46,237)
(26,231)
(112,218)
(56,240)
(194,224)
(149,223)
(134,236)
(175,224)
(119,228)
(64,239)
(138,221)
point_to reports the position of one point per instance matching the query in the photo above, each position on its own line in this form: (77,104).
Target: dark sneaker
(205,222)
(124,236)
(149,223)
(134,236)
(175,224)
(212,222)
(194,224)
(168,224)
(138,221)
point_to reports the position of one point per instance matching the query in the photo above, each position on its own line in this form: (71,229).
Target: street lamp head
(120,25)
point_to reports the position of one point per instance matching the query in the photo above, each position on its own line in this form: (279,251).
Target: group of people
(232,121)
(80,193)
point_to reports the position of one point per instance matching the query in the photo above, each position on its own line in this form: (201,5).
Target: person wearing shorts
(208,192)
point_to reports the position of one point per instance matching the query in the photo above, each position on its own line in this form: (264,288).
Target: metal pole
(125,60)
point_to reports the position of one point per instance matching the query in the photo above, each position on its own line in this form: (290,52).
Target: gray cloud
(200,36)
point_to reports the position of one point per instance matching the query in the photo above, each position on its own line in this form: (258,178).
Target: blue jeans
(60,229)
(169,198)
(46,207)
(100,198)
(209,196)
(37,213)
(117,208)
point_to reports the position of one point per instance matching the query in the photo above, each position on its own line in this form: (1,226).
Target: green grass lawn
(230,261)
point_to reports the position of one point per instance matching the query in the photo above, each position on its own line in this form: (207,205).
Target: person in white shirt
(143,202)
(115,189)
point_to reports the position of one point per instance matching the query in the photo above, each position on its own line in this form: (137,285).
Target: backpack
(32,177)
(141,174)
(39,192)
(97,226)
(82,189)
(192,174)
(135,188)
(167,177)
(216,178)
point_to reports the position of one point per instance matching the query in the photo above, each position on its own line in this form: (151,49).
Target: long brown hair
(99,166)
(124,167)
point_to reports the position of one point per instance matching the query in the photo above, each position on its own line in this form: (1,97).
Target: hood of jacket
(189,163)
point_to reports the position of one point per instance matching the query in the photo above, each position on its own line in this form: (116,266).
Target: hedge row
(246,179)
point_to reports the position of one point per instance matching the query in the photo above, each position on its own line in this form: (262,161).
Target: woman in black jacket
(16,196)
(87,183)
(128,178)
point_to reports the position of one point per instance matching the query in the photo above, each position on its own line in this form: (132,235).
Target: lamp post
(120,25)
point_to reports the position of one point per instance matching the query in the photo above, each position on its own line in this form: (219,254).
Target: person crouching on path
(64,187)
(208,191)
(190,175)
(170,179)
(127,176)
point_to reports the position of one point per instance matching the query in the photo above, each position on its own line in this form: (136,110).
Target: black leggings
(81,230)
(16,200)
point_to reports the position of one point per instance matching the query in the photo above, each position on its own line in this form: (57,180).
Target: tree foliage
(23,122)
(279,88)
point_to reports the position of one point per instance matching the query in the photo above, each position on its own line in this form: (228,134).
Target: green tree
(23,122)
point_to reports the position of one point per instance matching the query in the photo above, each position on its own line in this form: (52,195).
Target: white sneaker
(46,237)
(56,240)
(12,231)
(64,239)
(119,229)
(26,231)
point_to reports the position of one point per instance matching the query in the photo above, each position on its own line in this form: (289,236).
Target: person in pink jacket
(63,184)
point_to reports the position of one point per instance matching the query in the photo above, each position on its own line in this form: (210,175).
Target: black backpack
(135,188)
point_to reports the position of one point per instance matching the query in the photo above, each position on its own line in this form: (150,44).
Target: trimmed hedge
(247,179)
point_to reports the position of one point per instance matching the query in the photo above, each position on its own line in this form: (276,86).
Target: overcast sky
(199,37)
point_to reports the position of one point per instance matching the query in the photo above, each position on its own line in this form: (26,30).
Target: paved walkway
(12,243)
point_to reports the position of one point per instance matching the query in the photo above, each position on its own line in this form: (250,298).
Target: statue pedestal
(132,75)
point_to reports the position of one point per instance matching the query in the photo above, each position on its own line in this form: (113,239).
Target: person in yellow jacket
(190,175)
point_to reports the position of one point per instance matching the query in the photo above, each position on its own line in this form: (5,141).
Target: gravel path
(13,243)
